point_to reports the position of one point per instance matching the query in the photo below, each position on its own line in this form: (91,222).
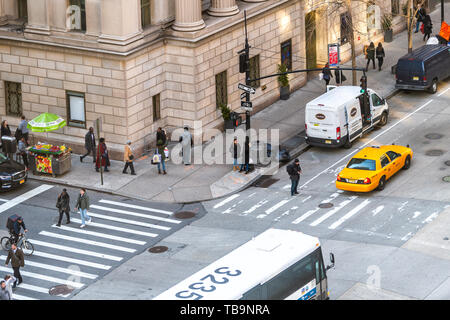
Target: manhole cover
(265,182)
(434,153)
(60,290)
(325,205)
(446,179)
(158,249)
(447,163)
(434,136)
(184,214)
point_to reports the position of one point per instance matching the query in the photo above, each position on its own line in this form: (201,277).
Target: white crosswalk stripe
(21,297)
(136,223)
(146,216)
(77,285)
(305,216)
(32,288)
(333,211)
(75,250)
(71,260)
(107,226)
(349,214)
(90,242)
(278,205)
(127,205)
(223,202)
(100,235)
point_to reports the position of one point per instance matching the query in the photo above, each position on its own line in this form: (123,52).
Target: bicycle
(26,246)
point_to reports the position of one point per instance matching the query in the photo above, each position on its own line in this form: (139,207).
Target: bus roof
(258,260)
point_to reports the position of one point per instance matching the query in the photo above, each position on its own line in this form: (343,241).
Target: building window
(145,13)
(76,109)
(23,10)
(346,28)
(221,89)
(254,71)
(77,15)
(395,7)
(13,93)
(156,107)
(286,54)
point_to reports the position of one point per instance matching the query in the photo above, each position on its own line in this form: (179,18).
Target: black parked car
(12,173)
(423,68)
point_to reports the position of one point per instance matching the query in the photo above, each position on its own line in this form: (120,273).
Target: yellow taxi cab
(371,167)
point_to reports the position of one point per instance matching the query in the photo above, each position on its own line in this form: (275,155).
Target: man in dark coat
(427,27)
(63,205)
(15,255)
(245,165)
(102,153)
(370,55)
(294,171)
(161,136)
(89,144)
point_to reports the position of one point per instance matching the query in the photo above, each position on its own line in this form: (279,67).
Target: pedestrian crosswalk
(69,255)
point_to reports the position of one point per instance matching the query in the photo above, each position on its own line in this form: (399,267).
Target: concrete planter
(284,93)
(388,35)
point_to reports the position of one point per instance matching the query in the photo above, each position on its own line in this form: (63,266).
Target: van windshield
(414,66)
(362,164)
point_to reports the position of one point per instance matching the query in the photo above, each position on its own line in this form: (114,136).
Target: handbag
(156,157)
(321,76)
(131,157)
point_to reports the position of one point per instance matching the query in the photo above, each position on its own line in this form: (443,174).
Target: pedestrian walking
(427,27)
(89,144)
(245,165)
(161,135)
(63,205)
(10,280)
(294,170)
(102,156)
(22,151)
(23,129)
(186,143)
(235,150)
(83,206)
(15,255)
(162,156)
(4,293)
(380,55)
(420,16)
(5,131)
(128,159)
(327,74)
(370,55)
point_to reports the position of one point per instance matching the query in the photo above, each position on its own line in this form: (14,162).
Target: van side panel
(354,120)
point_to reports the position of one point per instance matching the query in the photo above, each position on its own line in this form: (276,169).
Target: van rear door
(321,122)
(410,71)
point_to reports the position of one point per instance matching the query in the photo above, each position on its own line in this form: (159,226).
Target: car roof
(372,152)
(339,94)
(425,52)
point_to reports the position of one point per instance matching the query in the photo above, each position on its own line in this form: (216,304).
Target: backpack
(290,169)
(18,134)
(11,220)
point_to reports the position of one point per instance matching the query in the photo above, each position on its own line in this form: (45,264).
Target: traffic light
(363,84)
(243,64)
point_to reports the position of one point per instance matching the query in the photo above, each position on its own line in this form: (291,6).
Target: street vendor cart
(50,159)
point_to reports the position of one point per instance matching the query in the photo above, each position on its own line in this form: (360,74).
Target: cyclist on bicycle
(15,231)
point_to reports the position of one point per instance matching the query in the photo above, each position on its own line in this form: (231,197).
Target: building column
(162,11)
(3,17)
(188,15)
(223,8)
(93,18)
(120,22)
(39,17)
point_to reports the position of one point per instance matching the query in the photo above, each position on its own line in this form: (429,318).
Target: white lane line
(256,206)
(223,202)
(251,195)
(101,235)
(349,214)
(21,297)
(416,214)
(377,210)
(331,198)
(32,288)
(306,199)
(440,94)
(305,216)
(286,213)
(430,217)
(107,226)
(90,242)
(136,223)
(71,260)
(77,285)
(402,207)
(333,211)
(367,143)
(59,269)
(75,250)
(24,197)
(406,236)
(132,206)
(130,213)
(4,200)
(278,205)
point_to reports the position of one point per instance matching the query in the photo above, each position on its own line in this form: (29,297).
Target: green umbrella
(46,122)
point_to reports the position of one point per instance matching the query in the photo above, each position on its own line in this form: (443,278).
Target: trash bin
(9,144)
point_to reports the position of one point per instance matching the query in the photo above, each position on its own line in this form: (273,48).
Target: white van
(338,117)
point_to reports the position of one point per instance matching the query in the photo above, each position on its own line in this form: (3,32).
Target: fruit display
(47,156)
(43,164)
(49,149)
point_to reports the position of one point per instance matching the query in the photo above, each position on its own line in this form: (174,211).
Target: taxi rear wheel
(407,163)
(382,183)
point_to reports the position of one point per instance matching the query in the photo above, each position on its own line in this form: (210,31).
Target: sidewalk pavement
(185,184)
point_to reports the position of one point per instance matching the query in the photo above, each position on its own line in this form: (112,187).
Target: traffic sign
(246,88)
(243,95)
(246,105)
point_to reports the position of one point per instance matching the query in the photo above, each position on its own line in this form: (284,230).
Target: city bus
(275,265)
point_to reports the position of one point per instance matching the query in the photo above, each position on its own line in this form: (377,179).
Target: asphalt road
(121,229)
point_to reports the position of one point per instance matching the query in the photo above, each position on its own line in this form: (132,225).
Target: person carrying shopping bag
(159,152)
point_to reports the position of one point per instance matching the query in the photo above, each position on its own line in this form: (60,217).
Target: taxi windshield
(362,164)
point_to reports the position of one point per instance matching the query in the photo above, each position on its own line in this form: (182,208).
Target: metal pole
(98,149)
(442,11)
(247,94)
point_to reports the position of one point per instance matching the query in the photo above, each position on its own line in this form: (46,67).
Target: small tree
(226,112)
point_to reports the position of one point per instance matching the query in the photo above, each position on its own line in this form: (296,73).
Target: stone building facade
(143,64)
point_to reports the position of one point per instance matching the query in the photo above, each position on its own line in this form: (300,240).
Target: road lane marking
(107,226)
(59,269)
(21,297)
(305,216)
(101,235)
(24,197)
(32,288)
(130,213)
(74,284)
(331,198)
(406,236)
(136,223)
(416,214)
(75,250)
(136,207)
(377,210)
(230,198)
(90,242)
(256,206)
(440,94)
(333,211)
(278,205)
(349,214)
(71,260)
(306,199)
(430,217)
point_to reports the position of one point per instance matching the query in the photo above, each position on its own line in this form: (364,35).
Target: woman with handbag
(128,159)
(102,156)
(380,55)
